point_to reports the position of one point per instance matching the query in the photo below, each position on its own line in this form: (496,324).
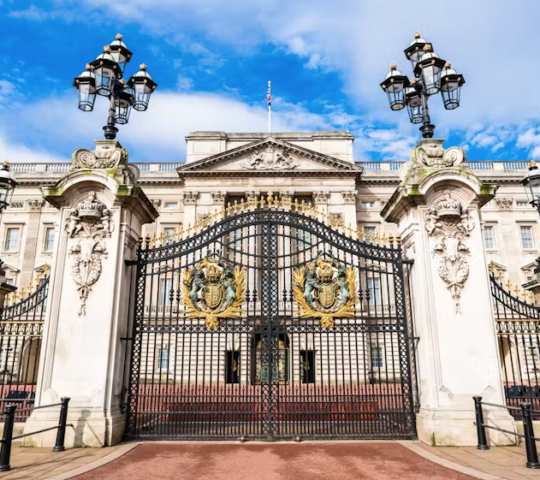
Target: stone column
(102,211)
(437,210)
(31,245)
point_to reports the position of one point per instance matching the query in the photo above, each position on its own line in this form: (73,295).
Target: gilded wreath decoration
(325,289)
(213,290)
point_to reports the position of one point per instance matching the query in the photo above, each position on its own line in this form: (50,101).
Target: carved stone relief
(190,197)
(504,203)
(320,198)
(36,205)
(349,198)
(106,155)
(90,223)
(449,224)
(218,198)
(270,158)
(431,153)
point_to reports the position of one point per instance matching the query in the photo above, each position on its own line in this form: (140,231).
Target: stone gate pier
(102,210)
(437,210)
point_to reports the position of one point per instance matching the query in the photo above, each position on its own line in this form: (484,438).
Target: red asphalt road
(337,461)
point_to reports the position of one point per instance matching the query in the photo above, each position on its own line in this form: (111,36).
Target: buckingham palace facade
(221,168)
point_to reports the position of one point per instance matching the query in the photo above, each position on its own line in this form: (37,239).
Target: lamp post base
(110,132)
(427,130)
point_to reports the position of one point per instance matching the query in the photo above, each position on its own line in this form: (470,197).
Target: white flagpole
(269,101)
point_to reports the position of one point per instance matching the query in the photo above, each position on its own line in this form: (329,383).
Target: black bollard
(61,432)
(480,429)
(5,452)
(530,442)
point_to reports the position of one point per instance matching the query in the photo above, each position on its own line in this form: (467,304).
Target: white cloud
(17,153)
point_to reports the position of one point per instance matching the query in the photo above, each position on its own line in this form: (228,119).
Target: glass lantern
(531,182)
(413,100)
(429,69)
(107,71)
(451,83)
(123,101)
(85,83)
(143,86)
(7,186)
(415,50)
(120,52)
(394,84)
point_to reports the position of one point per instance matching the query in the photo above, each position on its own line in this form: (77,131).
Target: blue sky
(212,60)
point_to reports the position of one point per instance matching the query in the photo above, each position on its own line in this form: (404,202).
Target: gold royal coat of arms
(325,289)
(213,290)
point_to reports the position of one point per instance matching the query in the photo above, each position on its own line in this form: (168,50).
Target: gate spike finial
(391,239)
(398,239)
(147,240)
(383,239)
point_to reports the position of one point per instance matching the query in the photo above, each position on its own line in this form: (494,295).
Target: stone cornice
(254,146)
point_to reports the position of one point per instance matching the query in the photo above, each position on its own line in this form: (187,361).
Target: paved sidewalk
(42,463)
(274,461)
(501,462)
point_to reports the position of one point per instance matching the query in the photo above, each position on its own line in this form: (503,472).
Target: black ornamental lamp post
(104,76)
(432,75)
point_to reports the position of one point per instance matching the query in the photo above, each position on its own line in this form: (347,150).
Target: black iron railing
(526,412)
(517,323)
(21,331)
(7,439)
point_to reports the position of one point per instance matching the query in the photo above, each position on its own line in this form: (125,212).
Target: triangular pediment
(269,156)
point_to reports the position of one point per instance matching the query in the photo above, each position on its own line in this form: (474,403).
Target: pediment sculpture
(270,158)
(449,224)
(89,223)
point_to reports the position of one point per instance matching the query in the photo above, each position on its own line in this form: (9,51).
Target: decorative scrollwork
(325,289)
(90,222)
(213,290)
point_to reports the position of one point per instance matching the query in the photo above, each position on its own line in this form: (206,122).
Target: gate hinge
(130,263)
(126,338)
(408,261)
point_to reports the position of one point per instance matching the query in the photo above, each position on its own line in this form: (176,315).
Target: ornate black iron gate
(265,323)
(517,323)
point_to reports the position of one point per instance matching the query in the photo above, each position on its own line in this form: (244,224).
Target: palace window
(370,233)
(377,360)
(165,291)
(527,237)
(522,203)
(279,369)
(307,365)
(163,359)
(368,204)
(168,234)
(232,366)
(171,205)
(50,236)
(489,238)
(374,289)
(12,240)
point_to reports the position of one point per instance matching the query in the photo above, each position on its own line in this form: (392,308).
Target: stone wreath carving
(104,156)
(90,223)
(449,223)
(270,158)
